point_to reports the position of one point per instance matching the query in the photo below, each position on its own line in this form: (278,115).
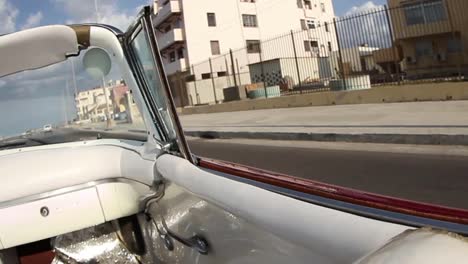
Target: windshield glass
(69,101)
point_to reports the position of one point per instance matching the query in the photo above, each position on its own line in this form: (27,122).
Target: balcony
(177,65)
(170,38)
(172,8)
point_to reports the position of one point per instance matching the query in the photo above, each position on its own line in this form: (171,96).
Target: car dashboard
(48,191)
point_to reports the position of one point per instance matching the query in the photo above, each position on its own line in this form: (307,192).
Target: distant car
(26,133)
(47,128)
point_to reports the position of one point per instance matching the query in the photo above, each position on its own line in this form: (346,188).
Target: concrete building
(356,60)
(190,32)
(91,104)
(431,36)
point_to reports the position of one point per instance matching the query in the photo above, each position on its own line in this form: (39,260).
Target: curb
(413,139)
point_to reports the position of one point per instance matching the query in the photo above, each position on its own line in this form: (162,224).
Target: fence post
(233,68)
(454,36)
(213,82)
(197,96)
(179,80)
(238,72)
(340,62)
(297,62)
(394,46)
(227,71)
(263,70)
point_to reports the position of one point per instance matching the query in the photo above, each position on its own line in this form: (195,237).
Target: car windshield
(68,102)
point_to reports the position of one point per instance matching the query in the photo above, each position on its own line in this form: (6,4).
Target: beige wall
(203,92)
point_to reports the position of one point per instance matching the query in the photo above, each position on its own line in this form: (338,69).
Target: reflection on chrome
(99,244)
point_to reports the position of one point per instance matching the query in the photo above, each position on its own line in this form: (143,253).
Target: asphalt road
(431,178)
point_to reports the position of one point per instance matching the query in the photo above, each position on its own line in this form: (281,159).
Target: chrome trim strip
(54,193)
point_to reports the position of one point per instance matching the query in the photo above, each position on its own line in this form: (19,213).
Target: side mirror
(97,63)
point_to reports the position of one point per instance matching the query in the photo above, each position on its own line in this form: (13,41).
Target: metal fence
(385,46)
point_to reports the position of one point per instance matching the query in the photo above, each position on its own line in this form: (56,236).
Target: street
(431,178)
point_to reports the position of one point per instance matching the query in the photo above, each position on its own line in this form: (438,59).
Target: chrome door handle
(197,242)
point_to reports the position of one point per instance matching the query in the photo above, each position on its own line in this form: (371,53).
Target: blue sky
(18,14)
(342,7)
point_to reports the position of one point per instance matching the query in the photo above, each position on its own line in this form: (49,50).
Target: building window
(180,53)
(311,46)
(308,4)
(312,24)
(299,4)
(329,46)
(211,19)
(253,46)
(454,45)
(205,76)
(327,29)
(248,1)
(172,56)
(222,74)
(307,45)
(178,23)
(303,24)
(423,48)
(315,46)
(249,20)
(215,50)
(322,6)
(425,12)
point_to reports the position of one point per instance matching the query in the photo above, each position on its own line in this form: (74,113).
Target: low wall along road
(381,94)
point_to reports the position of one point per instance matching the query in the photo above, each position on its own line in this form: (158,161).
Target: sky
(20,14)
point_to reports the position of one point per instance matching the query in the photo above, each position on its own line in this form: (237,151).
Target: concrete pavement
(443,122)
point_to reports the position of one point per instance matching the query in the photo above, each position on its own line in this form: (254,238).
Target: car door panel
(231,239)
(250,221)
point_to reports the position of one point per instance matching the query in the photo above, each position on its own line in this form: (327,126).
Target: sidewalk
(443,123)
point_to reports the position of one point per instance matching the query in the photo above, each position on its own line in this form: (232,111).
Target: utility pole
(97,11)
(108,115)
(74,77)
(64,102)
(75,97)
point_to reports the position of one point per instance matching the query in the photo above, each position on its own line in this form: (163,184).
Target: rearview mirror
(97,63)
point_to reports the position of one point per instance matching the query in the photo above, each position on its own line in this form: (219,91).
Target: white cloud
(33,20)
(8,14)
(83,11)
(368,24)
(364,8)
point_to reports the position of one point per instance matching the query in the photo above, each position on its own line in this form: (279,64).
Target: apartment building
(190,32)
(431,36)
(93,105)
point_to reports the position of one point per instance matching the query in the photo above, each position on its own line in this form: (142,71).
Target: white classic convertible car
(101,195)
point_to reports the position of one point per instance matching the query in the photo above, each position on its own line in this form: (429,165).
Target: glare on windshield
(64,99)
